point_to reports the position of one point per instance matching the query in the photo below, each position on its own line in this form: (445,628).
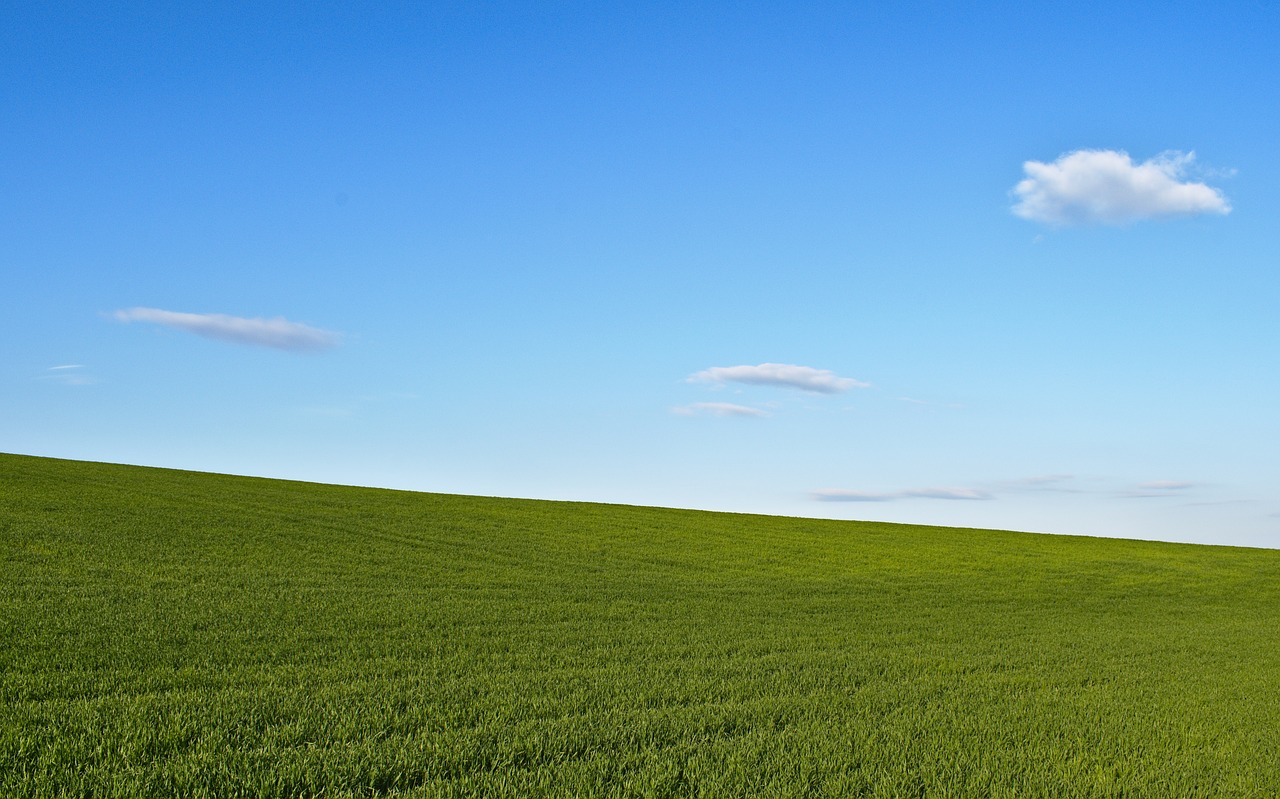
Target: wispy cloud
(1043,482)
(717,409)
(981,491)
(1107,187)
(846,495)
(278,333)
(1167,485)
(1043,479)
(1185,490)
(70,374)
(805,378)
(1157,488)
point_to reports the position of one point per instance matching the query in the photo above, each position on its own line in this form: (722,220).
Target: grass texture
(167,633)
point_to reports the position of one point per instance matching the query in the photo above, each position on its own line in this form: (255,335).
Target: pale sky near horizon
(982,265)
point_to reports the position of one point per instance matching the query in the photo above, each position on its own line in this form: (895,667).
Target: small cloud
(805,378)
(1107,187)
(1044,479)
(845,495)
(717,409)
(947,493)
(68,375)
(1156,488)
(1044,482)
(278,333)
(1166,485)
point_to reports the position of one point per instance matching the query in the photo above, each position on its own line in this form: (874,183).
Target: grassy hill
(168,633)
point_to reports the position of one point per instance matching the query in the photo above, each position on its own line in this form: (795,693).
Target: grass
(168,633)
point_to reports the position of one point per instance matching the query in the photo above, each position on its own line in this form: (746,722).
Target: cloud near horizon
(718,409)
(278,333)
(845,495)
(805,378)
(1064,483)
(1106,187)
(1057,483)
(1167,485)
(1158,488)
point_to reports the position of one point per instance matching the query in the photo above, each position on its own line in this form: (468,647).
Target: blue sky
(994,265)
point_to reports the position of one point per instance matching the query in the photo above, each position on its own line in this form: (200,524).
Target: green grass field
(169,633)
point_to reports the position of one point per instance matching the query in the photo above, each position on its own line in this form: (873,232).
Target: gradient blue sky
(517,250)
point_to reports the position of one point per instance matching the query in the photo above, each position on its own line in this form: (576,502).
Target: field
(168,633)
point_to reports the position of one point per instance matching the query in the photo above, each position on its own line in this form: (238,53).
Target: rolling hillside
(173,633)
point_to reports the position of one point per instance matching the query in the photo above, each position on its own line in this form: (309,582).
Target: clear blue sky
(921,262)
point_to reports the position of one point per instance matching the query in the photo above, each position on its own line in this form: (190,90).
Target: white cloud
(1064,483)
(1157,488)
(806,378)
(717,409)
(1057,483)
(68,375)
(1044,479)
(1166,485)
(845,495)
(947,493)
(278,333)
(1107,187)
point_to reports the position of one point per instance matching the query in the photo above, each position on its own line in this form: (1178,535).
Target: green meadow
(167,633)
